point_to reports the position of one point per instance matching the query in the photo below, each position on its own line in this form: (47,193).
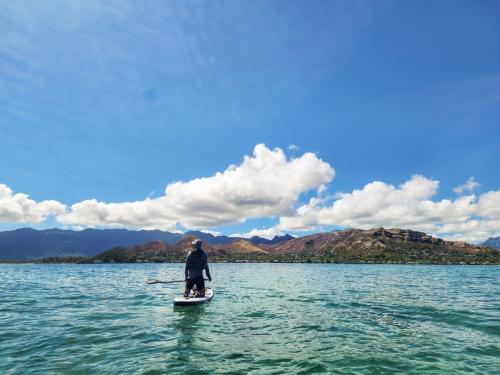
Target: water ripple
(264,319)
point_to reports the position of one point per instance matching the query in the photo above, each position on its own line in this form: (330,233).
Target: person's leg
(200,287)
(189,285)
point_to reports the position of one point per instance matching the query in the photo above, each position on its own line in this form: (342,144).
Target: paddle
(156,281)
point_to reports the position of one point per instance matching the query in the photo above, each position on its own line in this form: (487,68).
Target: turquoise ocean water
(264,319)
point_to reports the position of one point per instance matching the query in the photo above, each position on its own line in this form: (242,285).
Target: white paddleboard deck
(191,300)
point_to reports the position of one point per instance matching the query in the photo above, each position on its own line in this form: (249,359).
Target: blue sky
(114,101)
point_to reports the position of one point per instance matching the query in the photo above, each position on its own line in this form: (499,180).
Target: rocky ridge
(377,245)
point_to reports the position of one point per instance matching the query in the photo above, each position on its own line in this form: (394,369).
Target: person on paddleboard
(196,262)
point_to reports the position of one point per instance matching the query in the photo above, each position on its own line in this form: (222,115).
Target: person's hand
(209,278)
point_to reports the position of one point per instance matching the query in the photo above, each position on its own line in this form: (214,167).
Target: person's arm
(186,268)
(207,270)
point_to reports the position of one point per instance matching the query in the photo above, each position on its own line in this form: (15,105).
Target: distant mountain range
(493,242)
(27,243)
(376,245)
(217,240)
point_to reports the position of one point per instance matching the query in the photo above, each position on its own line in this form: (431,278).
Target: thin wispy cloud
(470,99)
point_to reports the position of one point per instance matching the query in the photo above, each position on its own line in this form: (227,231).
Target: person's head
(196,244)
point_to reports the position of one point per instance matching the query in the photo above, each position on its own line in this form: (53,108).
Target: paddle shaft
(168,282)
(154,281)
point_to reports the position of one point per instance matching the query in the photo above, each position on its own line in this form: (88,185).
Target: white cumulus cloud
(268,184)
(264,184)
(409,205)
(468,187)
(268,233)
(19,208)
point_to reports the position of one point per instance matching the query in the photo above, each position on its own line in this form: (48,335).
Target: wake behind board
(189,301)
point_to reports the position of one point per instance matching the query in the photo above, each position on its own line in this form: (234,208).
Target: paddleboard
(191,300)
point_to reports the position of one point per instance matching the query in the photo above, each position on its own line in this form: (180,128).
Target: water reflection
(188,350)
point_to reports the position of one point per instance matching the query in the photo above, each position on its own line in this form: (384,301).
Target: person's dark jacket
(196,262)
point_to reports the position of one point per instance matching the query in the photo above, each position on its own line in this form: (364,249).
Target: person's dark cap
(197,242)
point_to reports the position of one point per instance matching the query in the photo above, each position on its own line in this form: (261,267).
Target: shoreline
(33,262)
